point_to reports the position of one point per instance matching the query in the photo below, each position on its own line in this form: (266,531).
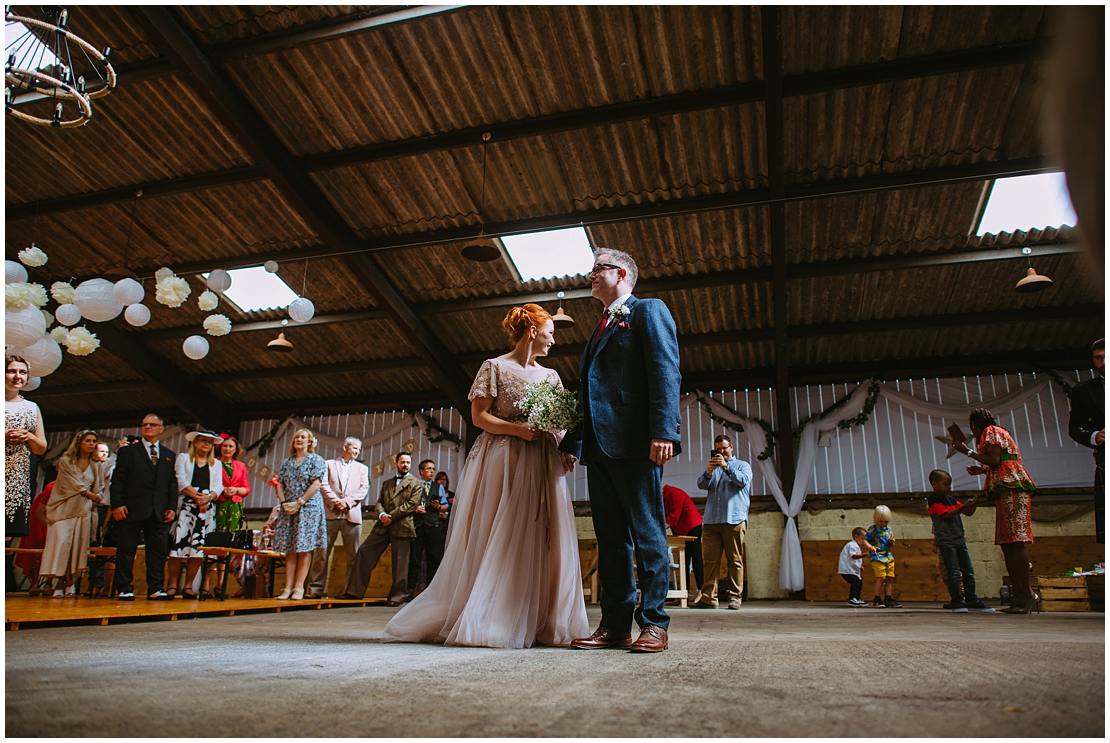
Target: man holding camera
(728,481)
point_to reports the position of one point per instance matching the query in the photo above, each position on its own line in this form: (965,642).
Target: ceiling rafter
(247,125)
(795,85)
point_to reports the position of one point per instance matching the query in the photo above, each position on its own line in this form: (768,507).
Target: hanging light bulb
(1032,281)
(279,343)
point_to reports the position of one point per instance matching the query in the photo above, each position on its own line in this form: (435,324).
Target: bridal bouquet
(550,408)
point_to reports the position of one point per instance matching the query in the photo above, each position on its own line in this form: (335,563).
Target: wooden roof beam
(229,105)
(752,92)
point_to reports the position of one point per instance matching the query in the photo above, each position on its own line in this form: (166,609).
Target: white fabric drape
(335,443)
(998,405)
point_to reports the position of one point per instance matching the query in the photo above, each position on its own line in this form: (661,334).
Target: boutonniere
(620,315)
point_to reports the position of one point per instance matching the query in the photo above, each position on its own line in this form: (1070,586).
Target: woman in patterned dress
(1011,487)
(511,576)
(300,527)
(23,435)
(200,481)
(229,506)
(69,513)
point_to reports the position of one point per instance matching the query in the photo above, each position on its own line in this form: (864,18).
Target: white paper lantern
(195,347)
(137,315)
(301,310)
(44,356)
(97,300)
(32,384)
(24,327)
(219,280)
(270,266)
(15,272)
(128,291)
(68,314)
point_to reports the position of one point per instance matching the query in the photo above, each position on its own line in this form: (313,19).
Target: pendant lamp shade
(1032,282)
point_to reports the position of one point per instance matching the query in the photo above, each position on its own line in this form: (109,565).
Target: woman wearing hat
(200,481)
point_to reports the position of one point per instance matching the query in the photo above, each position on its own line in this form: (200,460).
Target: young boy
(949,540)
(851,563)
(881,537)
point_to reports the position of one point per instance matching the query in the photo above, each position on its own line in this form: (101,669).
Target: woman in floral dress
(300,527)
(23,435)
(1011,487)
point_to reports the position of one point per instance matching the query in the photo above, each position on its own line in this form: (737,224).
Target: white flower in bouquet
(549,407)
(62,292)
(22,294)
(80,342)
(33,257)
(217,325)
(208,301)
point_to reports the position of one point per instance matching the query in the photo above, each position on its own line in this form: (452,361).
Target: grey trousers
(367,559)
(318,574)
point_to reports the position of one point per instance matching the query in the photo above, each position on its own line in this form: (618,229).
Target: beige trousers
(723,541)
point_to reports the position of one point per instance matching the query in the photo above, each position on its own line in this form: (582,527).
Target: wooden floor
(22,611)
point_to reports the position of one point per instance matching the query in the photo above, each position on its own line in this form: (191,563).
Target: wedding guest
(1011,487)
(200,481)
(23,435)
(685,521)
(144,499)
(36,540)
(398,500)
(728,481)
(69,513)
(428,544)
(99,570)
(346,484)
(949,541)
(1087,426)
(229,504)
(445,514)
(300,527)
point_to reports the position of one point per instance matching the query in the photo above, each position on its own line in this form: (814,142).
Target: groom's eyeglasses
(602,267)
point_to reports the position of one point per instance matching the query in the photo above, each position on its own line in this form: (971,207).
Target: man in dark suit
(1087,426)
(399,500)
(144,499)
(629,395)
(428,542)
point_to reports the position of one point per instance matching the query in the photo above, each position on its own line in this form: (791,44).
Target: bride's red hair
(519,319)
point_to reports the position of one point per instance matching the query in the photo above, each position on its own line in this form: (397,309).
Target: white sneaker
(284,595)
(856,602)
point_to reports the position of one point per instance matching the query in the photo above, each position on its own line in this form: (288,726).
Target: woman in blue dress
(300,527)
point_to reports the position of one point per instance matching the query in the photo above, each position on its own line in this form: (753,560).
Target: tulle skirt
(510,577)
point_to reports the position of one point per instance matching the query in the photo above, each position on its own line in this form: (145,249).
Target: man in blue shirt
(729,482)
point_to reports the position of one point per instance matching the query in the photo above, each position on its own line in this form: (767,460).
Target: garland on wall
(737,428)
(267,441)
(1064,384)
(873,392)
(436,433)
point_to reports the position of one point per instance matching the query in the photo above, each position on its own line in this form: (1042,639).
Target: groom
(630,428)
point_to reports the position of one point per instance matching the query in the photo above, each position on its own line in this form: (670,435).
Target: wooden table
(681,592)
(222,556)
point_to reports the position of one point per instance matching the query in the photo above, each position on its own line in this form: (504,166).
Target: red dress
(681,513)
(1013,488)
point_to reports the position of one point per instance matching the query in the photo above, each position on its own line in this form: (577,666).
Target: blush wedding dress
(510,577)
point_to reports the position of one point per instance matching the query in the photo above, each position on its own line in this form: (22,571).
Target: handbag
(243,539)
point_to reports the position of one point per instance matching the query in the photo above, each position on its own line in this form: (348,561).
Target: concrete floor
(771,669)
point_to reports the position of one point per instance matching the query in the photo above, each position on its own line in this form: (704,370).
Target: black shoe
(348,597)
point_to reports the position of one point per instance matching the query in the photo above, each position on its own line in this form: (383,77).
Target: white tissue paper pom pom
(208,301)
(33,257)
(173,291)
(22,294)
(59,333)
(162,273)
(137,315)
(217,325)
(46,315)
(14,273)
(62,292)
(80,342)
(195,347)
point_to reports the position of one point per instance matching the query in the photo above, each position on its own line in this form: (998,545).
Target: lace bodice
(504,381)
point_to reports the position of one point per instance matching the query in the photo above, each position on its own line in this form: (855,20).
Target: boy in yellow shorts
(879,538)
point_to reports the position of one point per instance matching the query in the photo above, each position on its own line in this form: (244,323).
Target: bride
(510,577)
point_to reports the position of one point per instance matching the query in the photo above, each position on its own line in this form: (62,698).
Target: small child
(949,540)
(880,537)
(851,564)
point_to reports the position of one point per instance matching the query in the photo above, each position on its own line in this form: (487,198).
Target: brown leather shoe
(603,638)
(652,639)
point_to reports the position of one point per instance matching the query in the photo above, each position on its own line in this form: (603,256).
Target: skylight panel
(255,289)
(550,255)
(1027,202)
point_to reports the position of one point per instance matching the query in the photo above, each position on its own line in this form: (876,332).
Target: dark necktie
(153,456)
(601,327)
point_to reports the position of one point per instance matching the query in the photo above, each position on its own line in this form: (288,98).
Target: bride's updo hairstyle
(519,319)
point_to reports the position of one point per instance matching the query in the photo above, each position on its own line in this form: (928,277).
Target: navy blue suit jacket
(142,487)
(630,386)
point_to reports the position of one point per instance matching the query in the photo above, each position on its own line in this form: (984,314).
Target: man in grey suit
(629,397)
(344,488)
